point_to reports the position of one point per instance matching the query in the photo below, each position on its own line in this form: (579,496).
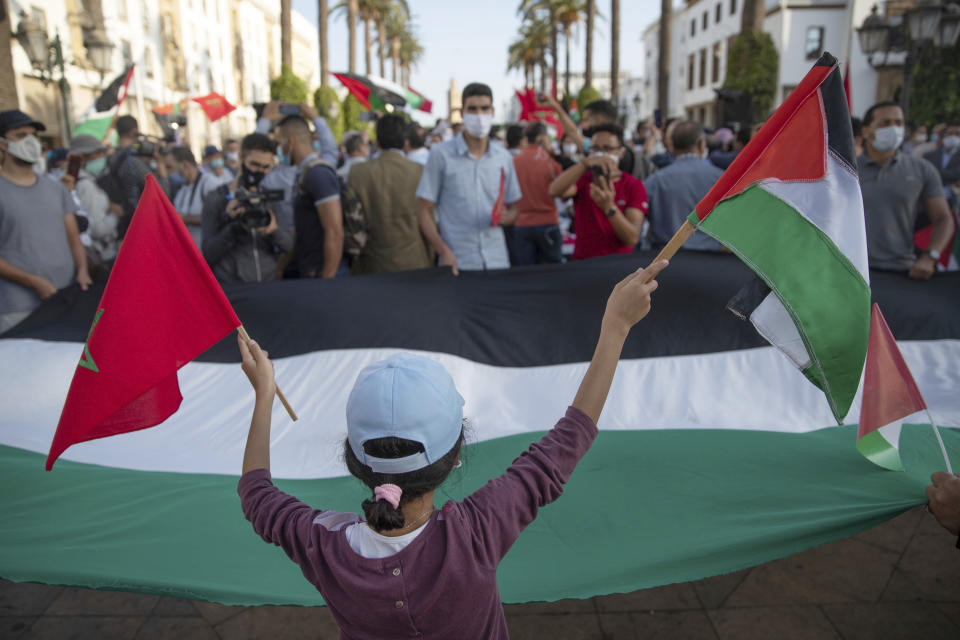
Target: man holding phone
(609,205)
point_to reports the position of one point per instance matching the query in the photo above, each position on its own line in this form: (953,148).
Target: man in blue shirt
(460,186)
(318,221)
(675,190)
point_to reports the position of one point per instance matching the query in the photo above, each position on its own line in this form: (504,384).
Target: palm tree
(395,28)
(545,9)
(411,52)
(569,13)
(323,14)
(751,20)
(588,64)
(527,51)
(384,13)
(663,60)
(286,50)
(352,9)
(615,51)
(368,11)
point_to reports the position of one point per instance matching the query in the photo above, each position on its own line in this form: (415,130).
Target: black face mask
(250,179)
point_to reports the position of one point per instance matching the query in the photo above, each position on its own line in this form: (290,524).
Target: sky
(467,40)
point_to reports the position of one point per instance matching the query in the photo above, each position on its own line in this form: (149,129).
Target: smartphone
(658,118)
(74,164)
(599,171)
(289,109)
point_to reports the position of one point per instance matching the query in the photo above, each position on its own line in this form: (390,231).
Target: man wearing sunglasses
(609,205)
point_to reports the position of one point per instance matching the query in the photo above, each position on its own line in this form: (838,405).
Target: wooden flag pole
(684,232)
(283,399)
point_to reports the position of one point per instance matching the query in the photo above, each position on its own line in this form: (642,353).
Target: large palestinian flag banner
(714,454)
(790,207)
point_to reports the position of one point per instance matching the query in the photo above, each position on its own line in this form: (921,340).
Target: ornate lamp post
(46,56)
(928,24)
(99,51)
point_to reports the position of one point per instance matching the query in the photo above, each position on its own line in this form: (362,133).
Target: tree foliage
(934,97)
(586,96)
(288,87)
(327,104)
(752,67)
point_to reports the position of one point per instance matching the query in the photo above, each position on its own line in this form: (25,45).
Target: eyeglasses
(608,149)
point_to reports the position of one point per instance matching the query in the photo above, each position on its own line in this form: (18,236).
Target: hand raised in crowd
(271,111)
(84,280)
(308,112)
(944,496)
(270,228)
(68,181)
(602,193)
(43,287)
(923,268)
(630,300)
(257,365)
(448,259)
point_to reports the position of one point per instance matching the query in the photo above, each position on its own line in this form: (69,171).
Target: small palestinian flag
(890,396)
(790,207)
(98,118)
(416,100)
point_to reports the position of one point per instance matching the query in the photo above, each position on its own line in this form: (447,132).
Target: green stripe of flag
(96,127)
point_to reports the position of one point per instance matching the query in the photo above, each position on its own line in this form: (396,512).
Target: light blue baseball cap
(409,397)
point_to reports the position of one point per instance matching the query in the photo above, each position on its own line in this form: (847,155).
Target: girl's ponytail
(383,512)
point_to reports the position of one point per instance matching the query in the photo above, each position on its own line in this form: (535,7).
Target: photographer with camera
(241,239)
(127,170)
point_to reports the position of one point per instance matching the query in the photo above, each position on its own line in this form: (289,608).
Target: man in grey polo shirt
(894,185)
(459,188)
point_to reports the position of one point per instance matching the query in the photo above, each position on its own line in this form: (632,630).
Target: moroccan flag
(790,207)
(214,105)
(161,308)
(417,100)
(361,90)
(889,395)
(97,119)
(498,204)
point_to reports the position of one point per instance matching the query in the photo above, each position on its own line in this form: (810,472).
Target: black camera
(254,203)
(144,147)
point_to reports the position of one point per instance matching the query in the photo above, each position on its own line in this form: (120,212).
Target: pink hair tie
(389,492)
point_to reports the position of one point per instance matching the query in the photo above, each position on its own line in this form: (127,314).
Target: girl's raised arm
(259,370)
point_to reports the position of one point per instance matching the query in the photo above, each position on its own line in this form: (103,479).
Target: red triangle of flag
(161,308)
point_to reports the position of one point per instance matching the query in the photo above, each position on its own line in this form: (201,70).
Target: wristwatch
(933,253)
(612,211)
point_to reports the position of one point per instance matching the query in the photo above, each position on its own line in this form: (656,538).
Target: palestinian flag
(416,100)
(790,207)
(714,454)
(373,93)
(98,118)
(890,396)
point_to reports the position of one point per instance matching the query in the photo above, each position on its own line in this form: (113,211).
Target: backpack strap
(315,162)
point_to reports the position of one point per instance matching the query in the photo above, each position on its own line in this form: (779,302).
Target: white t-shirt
(370,544)
(189,200)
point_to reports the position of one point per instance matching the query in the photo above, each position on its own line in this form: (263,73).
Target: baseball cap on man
(210,150)
(409,397)
(15,118)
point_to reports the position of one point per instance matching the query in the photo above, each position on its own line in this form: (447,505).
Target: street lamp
(99,51)
(45,56)
(927,24)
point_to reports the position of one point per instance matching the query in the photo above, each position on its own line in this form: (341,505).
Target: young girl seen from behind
(405,568)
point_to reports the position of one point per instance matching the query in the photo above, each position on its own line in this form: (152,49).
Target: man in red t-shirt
(609,206)
(536,233)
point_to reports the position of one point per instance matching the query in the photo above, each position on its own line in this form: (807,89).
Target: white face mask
(570,149)
(27,149)
(920,138)
(888,138)
(478,124)
(951,142)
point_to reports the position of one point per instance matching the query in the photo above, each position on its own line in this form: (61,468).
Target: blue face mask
(586,145)
(316,145)
(282,158)
(217,164)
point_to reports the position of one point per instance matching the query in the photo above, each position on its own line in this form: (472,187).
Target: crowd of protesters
(289,201)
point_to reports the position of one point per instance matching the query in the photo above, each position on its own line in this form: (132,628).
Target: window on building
(691,62)
(148,62)
(122,9)
(715,72)
(706,19)
(39,16)
(814,43)
(126,52)
(703,66)
(693,27)
(733,7)
(719,15)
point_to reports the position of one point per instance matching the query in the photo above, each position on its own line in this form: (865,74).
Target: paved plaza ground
(900,580)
